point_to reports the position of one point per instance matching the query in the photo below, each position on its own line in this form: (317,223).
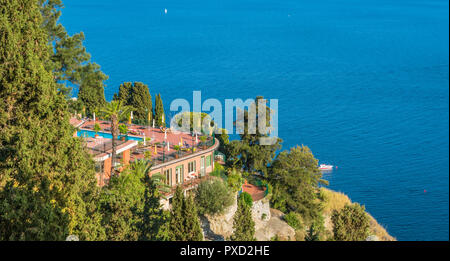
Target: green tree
(115,111)
(160,117)
(213,196)
(234,180)
(125,92)
(154,219)
(295,178)
(130,204)
(312,235)
(224,140)
(243,224)
(247,198)
(184,222)
(176,225)
(91,91)
(350,223)
(47,180)
(192,221)
(68,60)
(251,152)
(141,100)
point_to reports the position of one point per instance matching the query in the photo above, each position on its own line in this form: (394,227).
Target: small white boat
(165,10)
(325,167)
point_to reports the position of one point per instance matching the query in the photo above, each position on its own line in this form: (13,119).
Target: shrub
(97,128)
(123,129)
(293,220)
(247,198)
(213,196)
(234,180)
(218,171)
(350,223)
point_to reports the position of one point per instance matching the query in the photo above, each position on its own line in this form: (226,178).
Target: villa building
(181,158)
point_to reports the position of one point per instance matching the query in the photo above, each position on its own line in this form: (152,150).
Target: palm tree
(142,168)
(115,111)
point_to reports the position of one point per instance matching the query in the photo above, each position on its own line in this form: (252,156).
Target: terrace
(157,145)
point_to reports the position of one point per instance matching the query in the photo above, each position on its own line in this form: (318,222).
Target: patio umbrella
(168,146)
(181,141)
(94,116)
(165,134)
(144,139)
(155,150)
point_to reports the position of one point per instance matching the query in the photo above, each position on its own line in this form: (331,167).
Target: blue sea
(364,84)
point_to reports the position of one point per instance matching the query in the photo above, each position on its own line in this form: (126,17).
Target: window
(208,161)
(99,166)
(168,176)
(191,166)
(202,162)
(179,174)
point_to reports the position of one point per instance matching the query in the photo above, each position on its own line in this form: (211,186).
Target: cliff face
(268,223)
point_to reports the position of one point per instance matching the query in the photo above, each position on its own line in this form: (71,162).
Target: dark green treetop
(243,224)
(47,181)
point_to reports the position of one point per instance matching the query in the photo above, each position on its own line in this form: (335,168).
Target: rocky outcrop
(220,224)
(268,223)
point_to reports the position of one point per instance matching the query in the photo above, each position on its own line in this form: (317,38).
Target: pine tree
(91,92)
(68,58)
(141,101)
(47,180)
(243,224)
(192,221)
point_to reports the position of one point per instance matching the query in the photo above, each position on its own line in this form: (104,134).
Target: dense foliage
(243,224)
(213,197)
(184,224)
(47,181)
(350,223)
(249,152)
(295,179)
(247,198)
(137,96)
(293,220)
(69,61)
(130,205)
(234,180)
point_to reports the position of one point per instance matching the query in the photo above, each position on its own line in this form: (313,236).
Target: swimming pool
(89,133)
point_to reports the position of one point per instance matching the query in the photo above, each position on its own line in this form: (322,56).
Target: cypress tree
(47,180)
(192,221)
(177,227)
(243,224)
(154,219)
(125,92)
(141,101)
(160,117)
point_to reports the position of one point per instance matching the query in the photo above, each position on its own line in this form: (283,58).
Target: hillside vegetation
(336,201)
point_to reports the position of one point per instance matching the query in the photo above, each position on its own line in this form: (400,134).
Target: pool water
(91,134)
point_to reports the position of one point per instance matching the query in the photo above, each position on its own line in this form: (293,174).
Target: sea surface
(364,84)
